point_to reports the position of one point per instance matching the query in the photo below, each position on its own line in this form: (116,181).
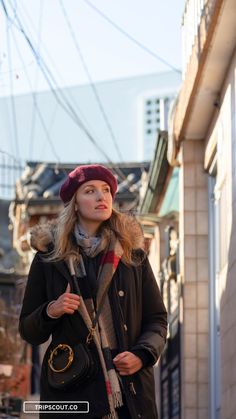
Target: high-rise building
(153,116)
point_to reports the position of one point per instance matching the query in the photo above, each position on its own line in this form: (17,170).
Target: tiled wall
(227,273)
(194,269)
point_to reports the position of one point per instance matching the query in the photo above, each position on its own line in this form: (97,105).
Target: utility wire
(131,38)
(33,120)
(45,129)
(62,82)
(66,106)
(48,76)
(114,166)
(16,69)
(13,108)
(36,103)
(50,124)
(100,105)
(21,29)
(36,106)
(5,153)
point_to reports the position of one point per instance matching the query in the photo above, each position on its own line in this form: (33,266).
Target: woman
(103,248)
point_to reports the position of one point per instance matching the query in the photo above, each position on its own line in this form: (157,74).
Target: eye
(89,191)
(106,189)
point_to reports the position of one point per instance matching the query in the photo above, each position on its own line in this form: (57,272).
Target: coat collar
(42,236)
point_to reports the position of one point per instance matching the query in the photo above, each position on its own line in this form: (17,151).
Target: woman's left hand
(127,363)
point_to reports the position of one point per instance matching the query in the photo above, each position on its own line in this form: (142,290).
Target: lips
(101,207)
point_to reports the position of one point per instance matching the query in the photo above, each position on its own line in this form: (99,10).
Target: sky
(78,45)
(51,44)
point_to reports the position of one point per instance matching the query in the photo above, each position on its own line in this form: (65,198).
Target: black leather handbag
(73,365)
(69,366)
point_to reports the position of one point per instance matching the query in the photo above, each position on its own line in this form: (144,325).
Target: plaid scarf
(104,337)
(90,245)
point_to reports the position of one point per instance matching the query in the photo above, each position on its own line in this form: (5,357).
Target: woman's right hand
(67,303)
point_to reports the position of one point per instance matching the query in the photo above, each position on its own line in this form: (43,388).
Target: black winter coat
(140,322)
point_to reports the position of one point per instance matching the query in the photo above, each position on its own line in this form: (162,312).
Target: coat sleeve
(151,342)
(34,325)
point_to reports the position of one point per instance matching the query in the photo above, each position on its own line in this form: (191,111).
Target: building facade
(202,145)
(204,133)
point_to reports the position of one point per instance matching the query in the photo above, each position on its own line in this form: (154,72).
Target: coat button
(121,293)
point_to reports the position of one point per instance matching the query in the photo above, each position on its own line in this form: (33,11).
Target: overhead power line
(62,82)
(33,120)
(96,94)
(5,153)
(13,108)
(49,78)
(36,105)
(16,69)
(131,38)
(62,102)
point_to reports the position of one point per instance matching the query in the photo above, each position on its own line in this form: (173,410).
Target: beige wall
(193,232)
(224,131)
(196,160)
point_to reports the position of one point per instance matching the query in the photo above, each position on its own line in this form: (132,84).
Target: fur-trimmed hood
(42,236)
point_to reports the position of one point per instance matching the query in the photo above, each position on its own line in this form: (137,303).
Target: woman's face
(93,202)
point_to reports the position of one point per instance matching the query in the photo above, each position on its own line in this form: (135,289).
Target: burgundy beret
(83,174)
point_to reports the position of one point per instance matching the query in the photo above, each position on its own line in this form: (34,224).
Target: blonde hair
(65,247)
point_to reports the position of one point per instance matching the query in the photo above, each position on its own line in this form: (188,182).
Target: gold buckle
(90,335)
(61,347)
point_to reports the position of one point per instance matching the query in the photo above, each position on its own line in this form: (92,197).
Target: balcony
(209,42)
(196,21)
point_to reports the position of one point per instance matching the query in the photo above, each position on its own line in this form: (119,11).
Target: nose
(100,196)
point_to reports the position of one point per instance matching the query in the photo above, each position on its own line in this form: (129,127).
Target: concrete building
(197,250)
(204,133)
(45,131)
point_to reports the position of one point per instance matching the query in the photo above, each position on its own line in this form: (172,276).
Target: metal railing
(194,11)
